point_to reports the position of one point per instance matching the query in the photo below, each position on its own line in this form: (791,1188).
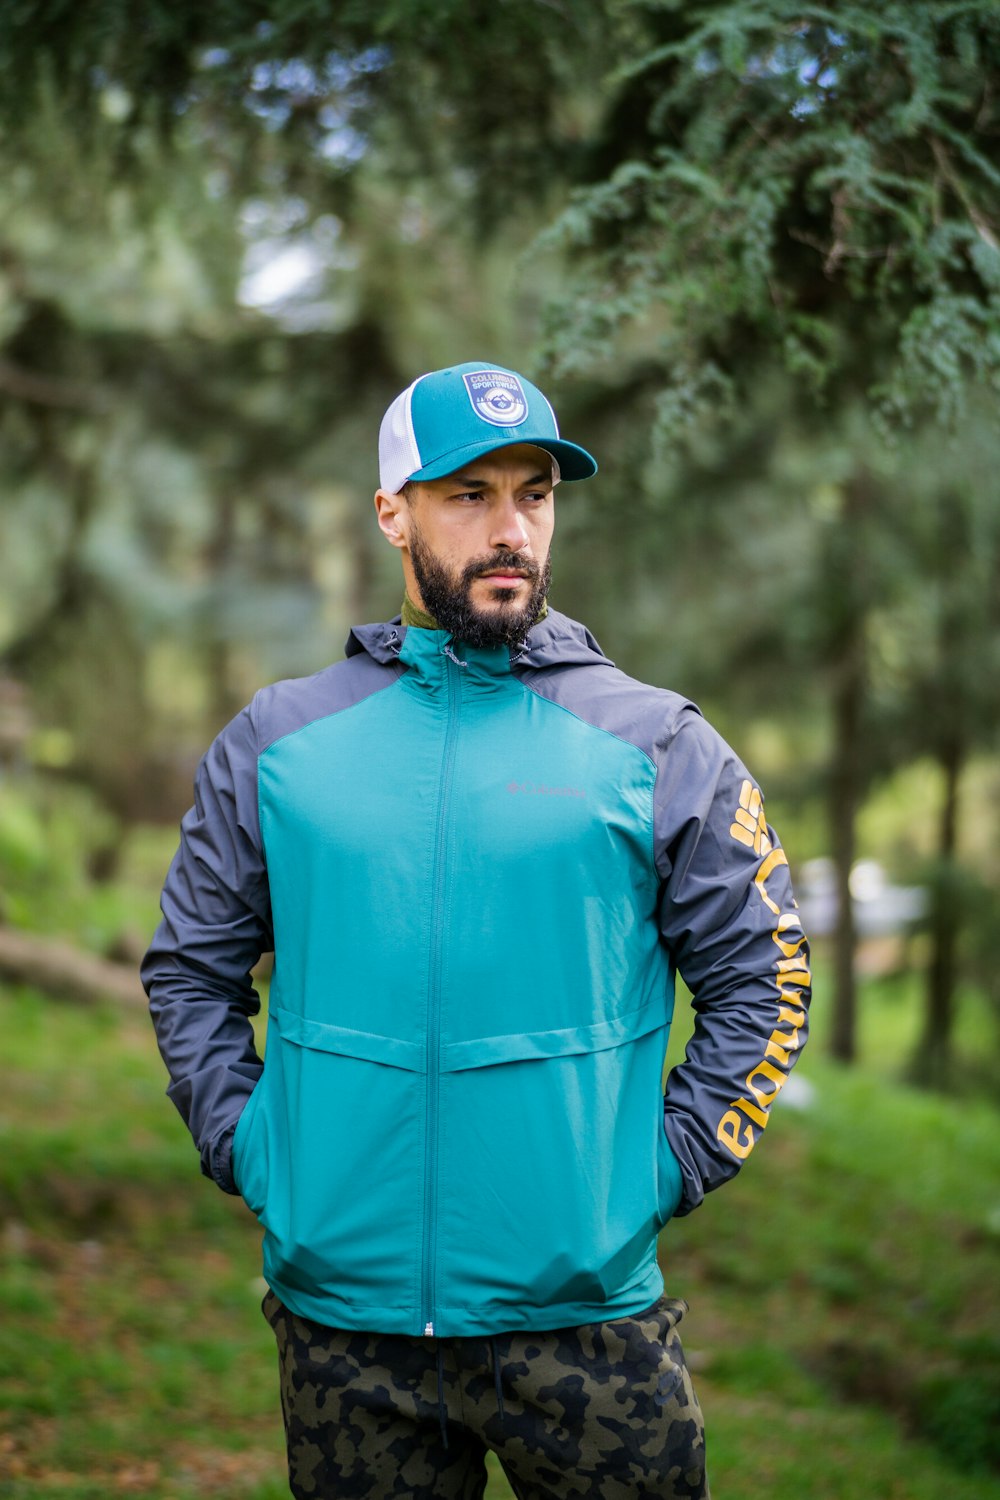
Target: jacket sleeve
(729,918)
(216,924)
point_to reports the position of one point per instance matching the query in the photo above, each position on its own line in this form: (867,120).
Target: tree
(797,199)
(495,87)
(176,453)
(949,635)
(787,184)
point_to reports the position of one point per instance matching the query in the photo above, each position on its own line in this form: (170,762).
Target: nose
(509,529)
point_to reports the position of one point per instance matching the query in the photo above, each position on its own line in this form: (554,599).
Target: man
(479,852)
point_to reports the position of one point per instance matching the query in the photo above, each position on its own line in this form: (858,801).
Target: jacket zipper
(453,670)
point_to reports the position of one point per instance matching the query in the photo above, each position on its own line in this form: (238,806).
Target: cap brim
(574,462)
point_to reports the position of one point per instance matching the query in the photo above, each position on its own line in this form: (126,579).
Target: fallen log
(59,969)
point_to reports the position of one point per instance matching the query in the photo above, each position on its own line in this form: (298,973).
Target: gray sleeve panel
(217,912)
(727,915)
(216,924)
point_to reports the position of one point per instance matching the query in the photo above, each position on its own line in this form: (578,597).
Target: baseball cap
(447,417)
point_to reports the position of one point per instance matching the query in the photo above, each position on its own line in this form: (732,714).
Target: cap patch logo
(496,397)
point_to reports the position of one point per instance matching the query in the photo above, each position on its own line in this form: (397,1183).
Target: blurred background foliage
(753,252)
(753,249)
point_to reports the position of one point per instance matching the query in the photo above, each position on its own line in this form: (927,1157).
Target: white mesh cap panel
(552,414)
(398,454)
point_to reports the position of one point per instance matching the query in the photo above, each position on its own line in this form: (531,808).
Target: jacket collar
(554,641)
(381,642)
(558,641)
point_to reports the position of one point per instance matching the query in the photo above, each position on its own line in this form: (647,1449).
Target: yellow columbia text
(736,1128)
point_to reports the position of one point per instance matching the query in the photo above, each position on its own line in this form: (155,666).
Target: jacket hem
(464,1322)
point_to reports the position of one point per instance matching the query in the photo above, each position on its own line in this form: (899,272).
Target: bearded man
(480,853)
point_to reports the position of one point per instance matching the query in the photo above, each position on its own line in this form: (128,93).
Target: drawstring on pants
(442,1410)
(442,1407)
(496,1379)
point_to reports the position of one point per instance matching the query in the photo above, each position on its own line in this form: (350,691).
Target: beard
(447,596)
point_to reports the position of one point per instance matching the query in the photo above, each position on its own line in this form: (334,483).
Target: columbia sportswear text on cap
(450,416)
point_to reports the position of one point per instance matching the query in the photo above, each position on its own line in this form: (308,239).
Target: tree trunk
(844,801)
(932,1062)
(65,972)
(847,774)
(217,652)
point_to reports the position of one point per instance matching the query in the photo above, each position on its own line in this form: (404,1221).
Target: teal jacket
(478,871)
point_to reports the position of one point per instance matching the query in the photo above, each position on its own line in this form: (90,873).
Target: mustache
(505,562)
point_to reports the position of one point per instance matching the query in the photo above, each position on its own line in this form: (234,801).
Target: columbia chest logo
(539,789)
(496,397)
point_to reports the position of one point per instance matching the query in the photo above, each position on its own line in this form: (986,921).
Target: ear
(392,514)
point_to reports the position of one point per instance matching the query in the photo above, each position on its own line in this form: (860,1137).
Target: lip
(504,580)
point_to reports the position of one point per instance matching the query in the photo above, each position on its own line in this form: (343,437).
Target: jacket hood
(554,641)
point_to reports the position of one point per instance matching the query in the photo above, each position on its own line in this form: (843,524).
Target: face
(475,545)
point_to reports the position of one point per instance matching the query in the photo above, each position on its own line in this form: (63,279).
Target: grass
(845,1319)
(845,1304)
(845,1301)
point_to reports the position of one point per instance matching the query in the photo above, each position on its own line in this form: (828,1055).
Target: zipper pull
(450,654)
(429,1331)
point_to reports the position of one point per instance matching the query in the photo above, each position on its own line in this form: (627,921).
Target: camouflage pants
(601,1412)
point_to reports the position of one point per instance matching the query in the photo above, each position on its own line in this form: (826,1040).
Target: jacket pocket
(671,1183)
(329,1155)
(249,1170)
